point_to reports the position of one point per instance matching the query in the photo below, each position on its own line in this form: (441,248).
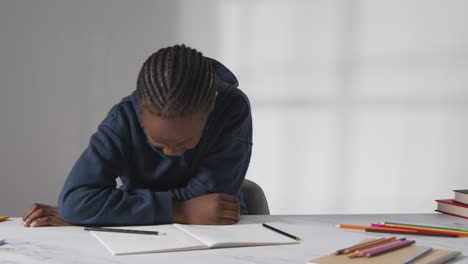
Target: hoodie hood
(223,74)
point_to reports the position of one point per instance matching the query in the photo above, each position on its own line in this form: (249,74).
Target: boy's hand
(209,209)
(43,215)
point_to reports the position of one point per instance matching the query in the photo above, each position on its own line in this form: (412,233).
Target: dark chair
(254,198)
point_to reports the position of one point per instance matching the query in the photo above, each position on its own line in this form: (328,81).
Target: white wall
(359,106)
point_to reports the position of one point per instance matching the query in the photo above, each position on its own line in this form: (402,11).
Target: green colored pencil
(424,226)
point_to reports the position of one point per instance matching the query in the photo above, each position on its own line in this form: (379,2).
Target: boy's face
(174,136)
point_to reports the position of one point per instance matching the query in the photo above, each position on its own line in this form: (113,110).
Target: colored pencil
(420,229)
(445,258)
(364,245)
(359,227)
(389,245)
(360,253)
(426,226)
(370,244)
(342,251)
(415,257)
(410,232)
(389,249)
(461,232)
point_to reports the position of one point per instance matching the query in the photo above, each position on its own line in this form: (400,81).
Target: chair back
(254,198)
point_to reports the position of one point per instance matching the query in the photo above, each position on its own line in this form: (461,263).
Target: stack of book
(455,207)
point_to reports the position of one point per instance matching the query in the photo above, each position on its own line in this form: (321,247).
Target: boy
(181,145)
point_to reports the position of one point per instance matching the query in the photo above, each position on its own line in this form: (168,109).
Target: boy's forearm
(208,209)
(177,211)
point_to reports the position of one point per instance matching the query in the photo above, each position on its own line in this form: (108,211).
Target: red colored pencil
(409,232)
(418,229)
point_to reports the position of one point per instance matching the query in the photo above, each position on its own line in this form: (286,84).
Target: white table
(74,245)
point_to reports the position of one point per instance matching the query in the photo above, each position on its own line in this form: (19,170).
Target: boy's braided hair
(176,81)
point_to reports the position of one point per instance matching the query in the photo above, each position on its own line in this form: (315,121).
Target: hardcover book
(451,207)
(461,196)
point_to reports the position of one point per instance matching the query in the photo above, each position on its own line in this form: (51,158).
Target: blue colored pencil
(420,254)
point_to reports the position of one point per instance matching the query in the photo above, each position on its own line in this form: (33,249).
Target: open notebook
(190,237)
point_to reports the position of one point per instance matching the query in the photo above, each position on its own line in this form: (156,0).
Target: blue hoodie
(151,180)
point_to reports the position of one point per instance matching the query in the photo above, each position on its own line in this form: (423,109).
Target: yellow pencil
(3,217)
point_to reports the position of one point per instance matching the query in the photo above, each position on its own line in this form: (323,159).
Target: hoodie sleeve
(90,196)
(223,168)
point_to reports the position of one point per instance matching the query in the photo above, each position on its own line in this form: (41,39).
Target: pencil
(351,226)
(445,258)
(128,231)
(415,257)
(410,232)
(343,251)
(369,244)
(455,230)
(281,232)
(359,227)
(421,229)
(360,253)
(379,248)
(389,249)
(425,226)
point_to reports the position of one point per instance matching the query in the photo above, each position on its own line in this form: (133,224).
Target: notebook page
(124,243)
(235,235)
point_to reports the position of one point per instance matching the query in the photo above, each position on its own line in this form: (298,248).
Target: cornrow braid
(176,81)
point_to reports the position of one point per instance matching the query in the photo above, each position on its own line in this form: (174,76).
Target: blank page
(235,235)
(124,243)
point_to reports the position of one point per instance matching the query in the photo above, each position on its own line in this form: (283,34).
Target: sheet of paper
(123,243)
(235,235)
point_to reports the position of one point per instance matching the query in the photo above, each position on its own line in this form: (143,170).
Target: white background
(358,106)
